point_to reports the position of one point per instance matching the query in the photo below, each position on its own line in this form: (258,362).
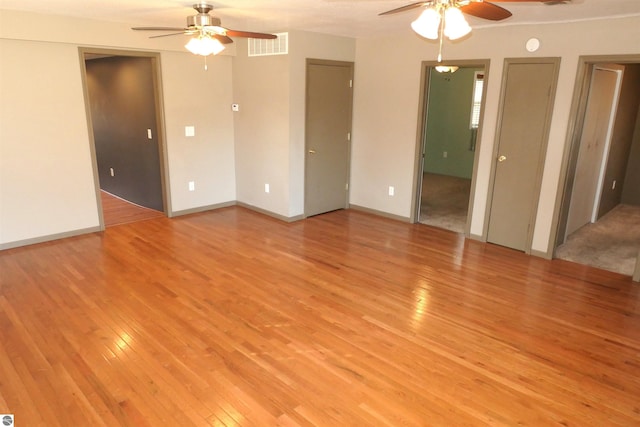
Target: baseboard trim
(51,237)
(48,238)
(540,254)
(201,209)
(269,213)
(380,213)
(477,237)
(43,239)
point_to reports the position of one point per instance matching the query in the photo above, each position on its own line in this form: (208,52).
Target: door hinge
(346,186)
(348,136)
(351,83)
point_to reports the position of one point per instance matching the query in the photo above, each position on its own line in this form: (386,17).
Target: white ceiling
(351,18)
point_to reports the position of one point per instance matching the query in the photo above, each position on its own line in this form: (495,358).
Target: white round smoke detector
(532,44)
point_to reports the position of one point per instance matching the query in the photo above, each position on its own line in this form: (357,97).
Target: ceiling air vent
(265,47)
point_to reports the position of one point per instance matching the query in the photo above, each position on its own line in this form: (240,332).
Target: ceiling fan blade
(158,28)
(222,39)
(235,33)
(486,10)
(405,8)
(182,33)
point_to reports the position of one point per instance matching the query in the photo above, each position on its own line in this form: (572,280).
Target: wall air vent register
(266,47)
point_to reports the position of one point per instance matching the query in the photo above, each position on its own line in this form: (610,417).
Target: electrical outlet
(266,188)
(392,191)
(111,172)
(445,154)
(192,186)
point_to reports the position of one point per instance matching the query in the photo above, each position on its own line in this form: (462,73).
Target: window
(476,101)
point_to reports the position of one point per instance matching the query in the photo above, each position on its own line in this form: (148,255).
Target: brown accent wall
(621,143)
(122,101)
(631,191)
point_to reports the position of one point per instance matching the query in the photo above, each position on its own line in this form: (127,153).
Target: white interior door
(594,147)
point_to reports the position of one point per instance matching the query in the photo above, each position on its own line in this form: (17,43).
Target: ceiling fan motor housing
(203,20)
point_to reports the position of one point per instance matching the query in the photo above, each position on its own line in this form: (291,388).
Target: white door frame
(84,53)
(572,144)
(607,142)
(428,67)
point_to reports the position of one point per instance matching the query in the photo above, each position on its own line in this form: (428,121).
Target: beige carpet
(612,243)
(445,201)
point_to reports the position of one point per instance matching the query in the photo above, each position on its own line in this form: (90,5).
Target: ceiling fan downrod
(203,7)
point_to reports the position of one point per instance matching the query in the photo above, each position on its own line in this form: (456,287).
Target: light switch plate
(189,131)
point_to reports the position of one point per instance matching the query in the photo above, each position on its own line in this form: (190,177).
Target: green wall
(448,115)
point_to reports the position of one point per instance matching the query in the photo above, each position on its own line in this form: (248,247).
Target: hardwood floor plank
(118,211)
(234,318)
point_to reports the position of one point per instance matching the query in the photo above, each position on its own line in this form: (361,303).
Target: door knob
(312,151)
(502,158)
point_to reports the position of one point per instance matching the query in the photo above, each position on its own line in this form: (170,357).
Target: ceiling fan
(209,34)
(442,18)
(478,8)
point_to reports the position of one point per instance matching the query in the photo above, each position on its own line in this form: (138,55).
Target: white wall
(387,97)
(46,181)
(305,45)
(261,89)
(202,99)
(269,127)
(46,177)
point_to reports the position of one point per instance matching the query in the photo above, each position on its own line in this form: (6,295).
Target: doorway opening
(123,104)
(599,220)
(451,119)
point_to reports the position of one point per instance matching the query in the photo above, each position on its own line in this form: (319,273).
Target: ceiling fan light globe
(427,24)
(193,45)
(447,68)
(455,26)
(211,46)
(204,45)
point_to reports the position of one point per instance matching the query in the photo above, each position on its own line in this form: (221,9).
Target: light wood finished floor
(117,211)
(232,318)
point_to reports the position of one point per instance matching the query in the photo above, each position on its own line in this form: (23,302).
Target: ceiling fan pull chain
(441,35)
